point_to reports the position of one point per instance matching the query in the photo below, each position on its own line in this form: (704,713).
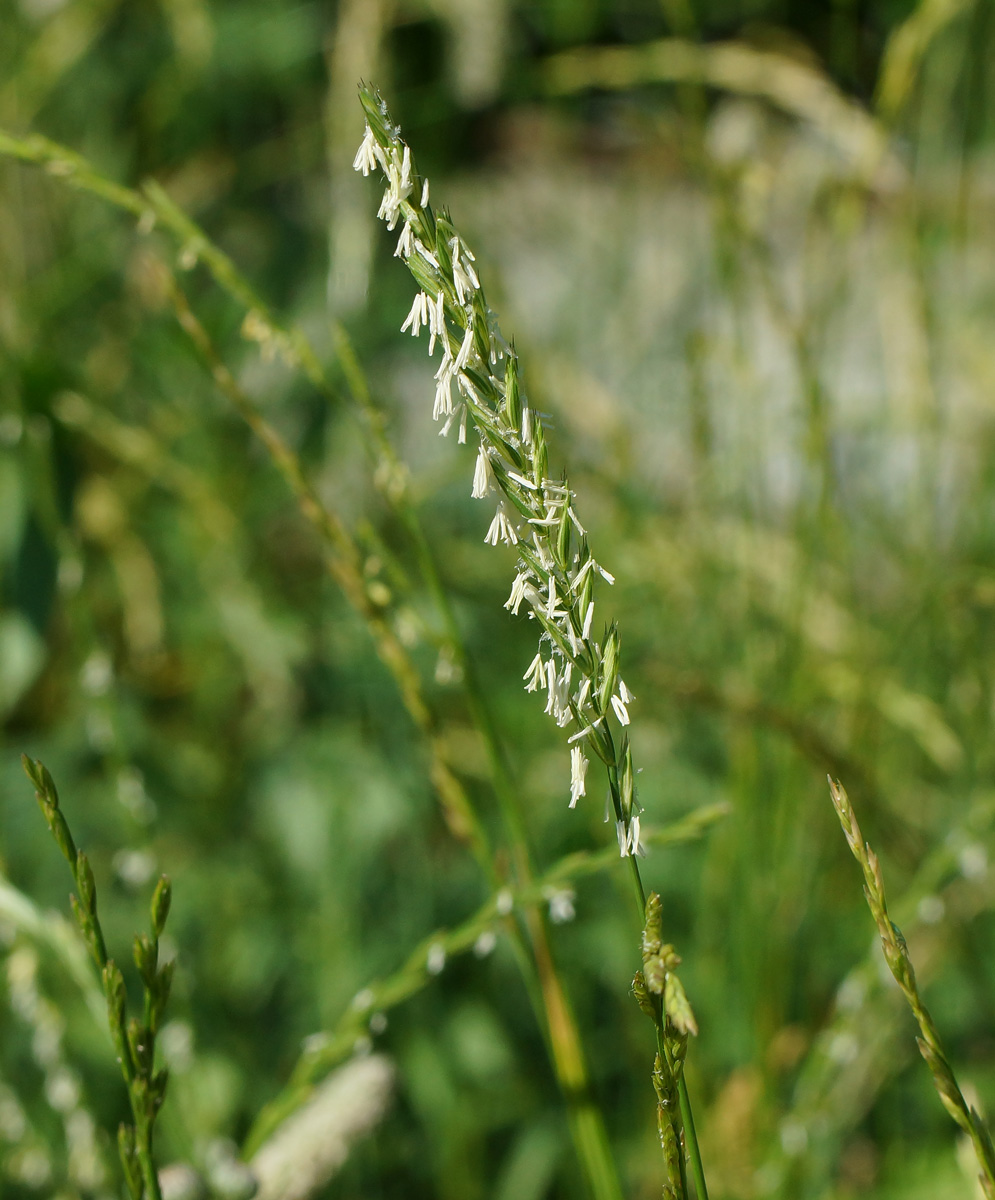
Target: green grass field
(249,621)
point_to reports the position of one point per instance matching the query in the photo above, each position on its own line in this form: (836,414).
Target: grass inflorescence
(134,1038)
(896,954)
(478,387)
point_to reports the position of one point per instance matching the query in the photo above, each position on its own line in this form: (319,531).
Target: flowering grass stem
(478,389)
(134,1039)
(896,954)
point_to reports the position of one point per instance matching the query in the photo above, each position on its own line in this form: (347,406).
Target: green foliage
(243,589)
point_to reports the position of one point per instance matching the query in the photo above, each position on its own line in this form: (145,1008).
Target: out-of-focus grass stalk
(856,1051)
(792,86)
(800,330)
(745,705)
(134,1039)
(905,51)
(51,930)
(382,995)
(896,954)
(64,39)
(345,565)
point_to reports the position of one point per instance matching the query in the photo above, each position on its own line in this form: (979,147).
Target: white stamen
(426,254)
(578,579)
(365,159)
(406,242)
(463,354)
(436,322)
(501,529)
(459,411)
(578,769)
(636,848)
(535,676)
(418,316)
(464,276)
(443,394)
(518,592)
(522,481)
(551,684)
(584,732)
(482,474)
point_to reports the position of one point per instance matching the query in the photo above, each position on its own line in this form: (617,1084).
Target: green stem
(661,1045)
(694,1152)
(150,1176)
(687,1117)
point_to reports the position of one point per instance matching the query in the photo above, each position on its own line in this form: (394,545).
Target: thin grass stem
(896,954)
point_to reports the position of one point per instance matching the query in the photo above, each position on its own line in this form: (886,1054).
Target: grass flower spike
(134,1038)
(896,954)
(479,393)
(479,390)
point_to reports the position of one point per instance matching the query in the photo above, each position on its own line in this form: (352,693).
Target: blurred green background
(751,276)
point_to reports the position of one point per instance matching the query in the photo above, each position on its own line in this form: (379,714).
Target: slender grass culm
(479,393)
(896,954)
(134,1038)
